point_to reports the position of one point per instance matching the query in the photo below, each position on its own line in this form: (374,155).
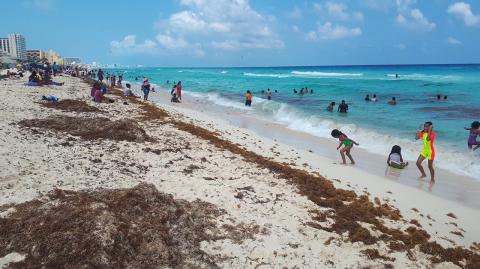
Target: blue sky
(250,33)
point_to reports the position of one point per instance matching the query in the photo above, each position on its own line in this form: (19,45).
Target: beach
(241,192)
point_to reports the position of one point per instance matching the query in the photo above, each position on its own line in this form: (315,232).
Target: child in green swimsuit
(348,145)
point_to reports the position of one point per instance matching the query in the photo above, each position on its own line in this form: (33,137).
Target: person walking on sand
(179,90)
(472,142)
(100,75)
(348,145)
(428,152)
(248,98)
(145,89)
(55,69)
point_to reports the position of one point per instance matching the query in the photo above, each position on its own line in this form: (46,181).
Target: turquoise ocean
(377,126)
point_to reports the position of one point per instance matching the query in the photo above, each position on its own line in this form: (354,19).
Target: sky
(208,33)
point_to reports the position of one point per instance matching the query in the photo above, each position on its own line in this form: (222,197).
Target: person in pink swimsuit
(179,90)
(472,138)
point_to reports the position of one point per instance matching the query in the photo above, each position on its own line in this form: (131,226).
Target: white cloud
(296,13)
(179,44)
(405,5)
(328,31)
(295,29)
(171,43)
(221,24)
(454,41)
(412,18)
(338,11)
(129,45)
(312,35)
(187,21)
(401,46)
(464,11)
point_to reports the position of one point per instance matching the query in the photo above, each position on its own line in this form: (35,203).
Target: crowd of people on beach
(42,74)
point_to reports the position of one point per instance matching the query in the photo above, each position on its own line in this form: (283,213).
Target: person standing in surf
(269,94)
(346,142)
(248,98)
(472,142)
(343,107)
(428,152)
(179,90)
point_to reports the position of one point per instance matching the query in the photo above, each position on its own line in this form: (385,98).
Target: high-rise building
(4,45)
(35,55)
(18,48)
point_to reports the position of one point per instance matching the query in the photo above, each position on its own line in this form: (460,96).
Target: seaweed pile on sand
(91,128)
(138,227)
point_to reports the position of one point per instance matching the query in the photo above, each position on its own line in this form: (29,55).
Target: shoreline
(301,217)
(457,188)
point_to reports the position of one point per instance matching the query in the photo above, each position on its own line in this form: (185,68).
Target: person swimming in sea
(346,142)
(374,98)
(428,152)
(393,101)
(395,158)
(472,142)
(269,94)
(295,91)
(330,107)
(367,98)
(343,107)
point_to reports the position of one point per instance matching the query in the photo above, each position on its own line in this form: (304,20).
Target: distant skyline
(208,33)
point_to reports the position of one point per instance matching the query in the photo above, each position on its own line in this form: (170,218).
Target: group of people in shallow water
(268,94)
(343,107)
(303,91)
(395,158)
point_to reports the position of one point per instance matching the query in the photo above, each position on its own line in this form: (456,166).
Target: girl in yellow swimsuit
(346,142)
(428,152)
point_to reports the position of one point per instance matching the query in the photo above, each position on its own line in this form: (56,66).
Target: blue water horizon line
(309,66)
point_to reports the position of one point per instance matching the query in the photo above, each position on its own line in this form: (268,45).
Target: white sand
(33,164)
